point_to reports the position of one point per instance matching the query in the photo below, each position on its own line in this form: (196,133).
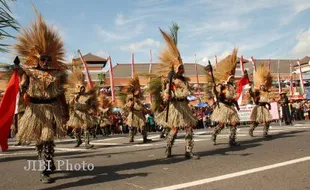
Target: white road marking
(110,139)
(232,175)
(101,143)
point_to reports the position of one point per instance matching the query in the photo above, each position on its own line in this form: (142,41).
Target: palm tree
(7,21)
(174,32)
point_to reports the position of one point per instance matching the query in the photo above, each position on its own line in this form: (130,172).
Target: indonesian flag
(7,110)
(241,88)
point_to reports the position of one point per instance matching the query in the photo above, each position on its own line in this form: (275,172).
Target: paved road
(281,162)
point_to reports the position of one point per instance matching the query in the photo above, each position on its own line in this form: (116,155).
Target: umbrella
(201,105)
(191,98)
(116,110)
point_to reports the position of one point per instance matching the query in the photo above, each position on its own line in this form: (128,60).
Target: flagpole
(86,70)
(301,78)
(269,65)
(196,70)
(215,60)
(150,71)
(112,79)
(241,65)
(279,82)
(254,63)
(291,78)
(132,65)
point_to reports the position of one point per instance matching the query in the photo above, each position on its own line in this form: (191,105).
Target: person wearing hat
(260,113)
(177,113)
(42,53)
(225,113)
(83,108)
(104,110)
(285,108)
(136,111)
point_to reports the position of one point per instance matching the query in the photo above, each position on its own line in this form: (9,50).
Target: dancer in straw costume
(225,113)
(175,95)
(42,54)
(136,110)
(104,109)
(260,113)
(83,110)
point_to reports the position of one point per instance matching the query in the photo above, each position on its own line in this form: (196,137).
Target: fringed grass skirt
(138,119)
(260,114)
(180,116)
(225,114)
(105,121)
(41,122)
(79,119)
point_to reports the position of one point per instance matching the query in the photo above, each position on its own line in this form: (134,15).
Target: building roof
(284,65)
(91,58)
(123,70)
(303,61)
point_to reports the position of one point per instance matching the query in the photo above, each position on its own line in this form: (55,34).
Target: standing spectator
(285,109)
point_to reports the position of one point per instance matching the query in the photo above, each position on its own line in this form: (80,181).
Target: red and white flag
(88,77)
(244,81)
(7,109)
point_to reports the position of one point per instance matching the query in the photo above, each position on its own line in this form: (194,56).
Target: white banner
(245,111)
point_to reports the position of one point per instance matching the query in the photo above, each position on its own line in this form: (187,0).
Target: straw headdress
(76,81)
(133,85)
(40,40)
(226,67)
(170,57)
(263,77)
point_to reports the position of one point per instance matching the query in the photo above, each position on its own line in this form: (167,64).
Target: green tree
(101,77)
(7,23)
